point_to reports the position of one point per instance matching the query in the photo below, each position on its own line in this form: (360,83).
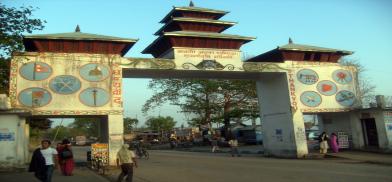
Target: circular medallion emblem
(327,87)
(342,76)
(307,76)
(310,99)
(94,97)
(345,98)
(35,71)
(94,72)
(65,84)
(34,97)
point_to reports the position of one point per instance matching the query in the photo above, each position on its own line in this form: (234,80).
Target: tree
(86,126)
(38,126)
(130,124)
(208,100)
(161,123)
(13,23)
(365,88)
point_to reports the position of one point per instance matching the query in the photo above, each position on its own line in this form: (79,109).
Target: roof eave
(147,49)
(343,52)
(89,39)
(187,9)
(210,36)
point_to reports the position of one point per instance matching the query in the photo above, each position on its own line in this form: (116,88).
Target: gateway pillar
(282,126)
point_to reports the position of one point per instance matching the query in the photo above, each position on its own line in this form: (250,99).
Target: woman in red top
(66,158)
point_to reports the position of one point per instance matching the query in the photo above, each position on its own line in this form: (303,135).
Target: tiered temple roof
(78,42)
(299,52)
(194,27)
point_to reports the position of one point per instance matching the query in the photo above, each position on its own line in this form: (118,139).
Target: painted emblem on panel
(94,97)
(35,71)
(311,99)
(34,97)
(327,87)
(345,98)
(342,76)
(307,76)
(65,84)
(94,72)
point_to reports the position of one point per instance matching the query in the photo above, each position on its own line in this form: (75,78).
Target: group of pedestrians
(328,142)
(46,159)
(233,143)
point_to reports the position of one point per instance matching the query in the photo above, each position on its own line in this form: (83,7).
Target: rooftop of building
(77,35)
(192,8)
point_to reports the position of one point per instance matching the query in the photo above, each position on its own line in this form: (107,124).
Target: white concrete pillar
(116,130)
(283,128)
(356,130)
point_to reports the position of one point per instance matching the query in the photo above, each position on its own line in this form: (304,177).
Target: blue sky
(362,26)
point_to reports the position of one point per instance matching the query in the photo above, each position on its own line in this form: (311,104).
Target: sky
(362,26)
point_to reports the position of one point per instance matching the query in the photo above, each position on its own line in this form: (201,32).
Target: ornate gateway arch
(80,74)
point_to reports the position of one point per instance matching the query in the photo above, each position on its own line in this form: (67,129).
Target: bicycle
(98,164)
(143,153)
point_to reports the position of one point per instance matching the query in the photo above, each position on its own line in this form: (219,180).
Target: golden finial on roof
(191,4)
(77,29)
(290,40)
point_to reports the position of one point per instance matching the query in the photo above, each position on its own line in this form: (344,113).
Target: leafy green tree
(61,131)
(39,127)
(130,124)
(88,126)
(208,100)
(13,23)
(161,123)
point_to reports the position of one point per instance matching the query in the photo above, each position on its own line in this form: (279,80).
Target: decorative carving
(262,67)
(149,63)
(208,65)
(294,105)
(77,112)
(13,82)
(316,110)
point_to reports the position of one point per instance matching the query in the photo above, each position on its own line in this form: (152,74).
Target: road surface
(173,166)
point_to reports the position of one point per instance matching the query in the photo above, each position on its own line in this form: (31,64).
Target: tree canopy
(161,123)
(13,23)
(130,124)
(86,126)
(206,100)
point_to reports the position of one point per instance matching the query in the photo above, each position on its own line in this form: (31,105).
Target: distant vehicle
(80,140)
(251,136)
(155,141)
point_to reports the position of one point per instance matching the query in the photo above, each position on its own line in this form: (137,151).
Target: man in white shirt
(233,142)
(127,159)
(44,161)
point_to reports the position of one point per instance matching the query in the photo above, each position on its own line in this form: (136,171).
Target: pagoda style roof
(219,13)
(208,35)
(300,52)
(227,24)
(309,48)
(77,42)
(194,27)
(80,36)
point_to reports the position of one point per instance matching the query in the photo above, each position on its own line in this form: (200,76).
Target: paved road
(173,166)
(81,174)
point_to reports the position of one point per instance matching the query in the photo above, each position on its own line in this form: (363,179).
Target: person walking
(233,142)
(214,143)
(334,143)
(127,159)
(44,161)
(66,158)
(323,139)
